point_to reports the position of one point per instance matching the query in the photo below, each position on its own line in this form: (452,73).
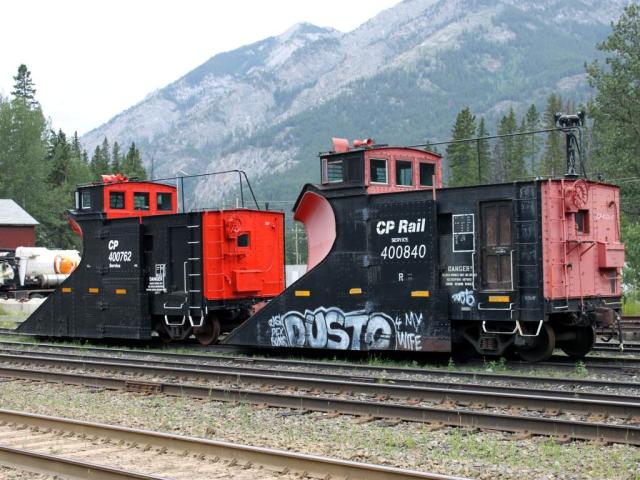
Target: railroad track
(68,448)
(616,364)
(428,390)
(476,406)
(626,347)
(358,372)
(630,330)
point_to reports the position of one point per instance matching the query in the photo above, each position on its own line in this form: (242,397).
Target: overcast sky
(92,59)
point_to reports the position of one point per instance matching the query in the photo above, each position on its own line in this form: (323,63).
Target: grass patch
(7,323)
(631,304)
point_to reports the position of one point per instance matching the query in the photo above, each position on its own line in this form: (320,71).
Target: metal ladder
(194,270)
(528,221)
(563,241)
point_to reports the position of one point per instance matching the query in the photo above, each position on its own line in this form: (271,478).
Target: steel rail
(280,362)
(628,347)
(459,417)
(408,388)
(312,465)
(615,363)
(36,462)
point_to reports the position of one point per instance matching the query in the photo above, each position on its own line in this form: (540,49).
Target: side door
(497,245)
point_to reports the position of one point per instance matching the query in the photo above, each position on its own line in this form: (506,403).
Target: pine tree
(132,165)
(106,153)
(517,165)
(554,156)
(116,158)
(506,163)
(24,89)
(461,156)
(76,148)
(23,154)
(99,164)
(483,153)
(616,108)
(533,142)
(60,158)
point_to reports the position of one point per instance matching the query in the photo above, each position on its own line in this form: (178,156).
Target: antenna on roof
(570,124)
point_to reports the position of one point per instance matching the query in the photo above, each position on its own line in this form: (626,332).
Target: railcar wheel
(542,347)
(162,332)
(209,332)
(582,344)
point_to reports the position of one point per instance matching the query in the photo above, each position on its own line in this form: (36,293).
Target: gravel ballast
(484,455)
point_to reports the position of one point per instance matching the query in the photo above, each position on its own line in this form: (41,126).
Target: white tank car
(7,273)
(45,268)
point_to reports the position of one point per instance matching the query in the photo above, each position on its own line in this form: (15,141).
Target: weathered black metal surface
(104,297)
(376,290)
(467,217)
(131,269)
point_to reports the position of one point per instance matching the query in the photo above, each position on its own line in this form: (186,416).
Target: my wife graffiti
(334,329)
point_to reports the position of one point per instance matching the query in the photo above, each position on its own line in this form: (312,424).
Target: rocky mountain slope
(401,77)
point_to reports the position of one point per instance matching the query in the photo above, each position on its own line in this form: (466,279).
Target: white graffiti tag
(278,335)
(464,297)
(335,329)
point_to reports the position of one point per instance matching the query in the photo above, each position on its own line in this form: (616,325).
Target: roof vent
(340,145)
(367,142)
(117,178)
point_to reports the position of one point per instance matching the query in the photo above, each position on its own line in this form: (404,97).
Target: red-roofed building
(17,227)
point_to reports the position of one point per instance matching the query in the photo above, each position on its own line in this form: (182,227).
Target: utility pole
(295,230)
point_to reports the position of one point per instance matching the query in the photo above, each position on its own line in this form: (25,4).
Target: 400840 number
(402,252)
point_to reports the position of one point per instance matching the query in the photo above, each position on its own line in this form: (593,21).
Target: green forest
(39,167)
(610,141)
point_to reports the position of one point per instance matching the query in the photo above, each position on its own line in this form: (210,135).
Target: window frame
(85,194)
(386,171)
(337,161)
(431,178)
(121,194)
(243,235)
(170,201)
(410,162)
(583,227)
(143,195)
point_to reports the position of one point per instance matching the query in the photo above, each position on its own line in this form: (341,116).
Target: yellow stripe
(94,290)
(303,293)
(121,291)
(498,298)
(420,293)
(66,289)
(355,291)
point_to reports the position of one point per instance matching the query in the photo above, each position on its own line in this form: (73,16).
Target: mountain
(401,78)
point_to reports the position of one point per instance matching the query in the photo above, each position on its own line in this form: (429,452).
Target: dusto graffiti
(464,297)
(333,328)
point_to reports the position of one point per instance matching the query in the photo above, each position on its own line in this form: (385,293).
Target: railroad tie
(597,417)
(432,427)
(525,435)
(562,440)
(364,419)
